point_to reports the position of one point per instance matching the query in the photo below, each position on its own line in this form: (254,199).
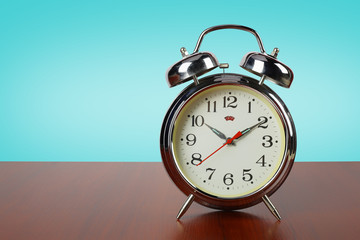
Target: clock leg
(186,206)
(271,207)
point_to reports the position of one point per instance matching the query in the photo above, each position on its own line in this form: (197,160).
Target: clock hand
(235,137)
(228,141)
(217,132)
(249,129)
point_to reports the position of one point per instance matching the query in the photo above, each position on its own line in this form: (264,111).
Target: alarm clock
(228,141)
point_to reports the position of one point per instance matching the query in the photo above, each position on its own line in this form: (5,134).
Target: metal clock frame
(193,193)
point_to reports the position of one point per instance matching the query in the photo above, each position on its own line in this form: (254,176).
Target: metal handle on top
(229,26)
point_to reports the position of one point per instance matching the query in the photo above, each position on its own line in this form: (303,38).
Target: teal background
(85,80)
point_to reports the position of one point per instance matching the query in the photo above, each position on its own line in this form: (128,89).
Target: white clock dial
(216,114)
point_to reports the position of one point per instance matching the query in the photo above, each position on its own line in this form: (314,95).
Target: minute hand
(249,129)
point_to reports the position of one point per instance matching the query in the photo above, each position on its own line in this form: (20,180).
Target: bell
(190,67)
(268,67)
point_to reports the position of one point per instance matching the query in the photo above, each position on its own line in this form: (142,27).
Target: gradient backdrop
(85,80)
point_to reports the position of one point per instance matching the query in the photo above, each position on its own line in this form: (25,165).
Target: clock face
(205,124)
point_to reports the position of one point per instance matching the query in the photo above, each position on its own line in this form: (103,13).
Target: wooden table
(138,201)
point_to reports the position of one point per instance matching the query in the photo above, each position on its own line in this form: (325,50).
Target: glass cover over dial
(228,141)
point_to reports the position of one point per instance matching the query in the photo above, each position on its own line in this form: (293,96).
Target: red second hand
(229,141)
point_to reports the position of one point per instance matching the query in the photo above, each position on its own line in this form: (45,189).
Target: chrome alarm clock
(228,141)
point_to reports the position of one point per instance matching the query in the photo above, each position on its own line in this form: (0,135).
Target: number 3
(268,139)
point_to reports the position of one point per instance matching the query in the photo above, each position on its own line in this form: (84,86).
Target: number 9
(191,139)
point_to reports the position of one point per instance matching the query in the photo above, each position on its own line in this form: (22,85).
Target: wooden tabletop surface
(62,200)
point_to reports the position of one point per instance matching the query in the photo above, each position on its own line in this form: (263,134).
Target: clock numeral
(191,139)
(228,179)
(261,161)
(247,177)
(213,106)
(212,170)
(230,102)
(196,159)
(268,141)
(249,107)
(197,121)
(262,118)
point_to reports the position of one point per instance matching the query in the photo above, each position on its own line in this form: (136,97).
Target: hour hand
(217,132)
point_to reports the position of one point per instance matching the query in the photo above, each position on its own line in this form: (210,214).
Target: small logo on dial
(229,118)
